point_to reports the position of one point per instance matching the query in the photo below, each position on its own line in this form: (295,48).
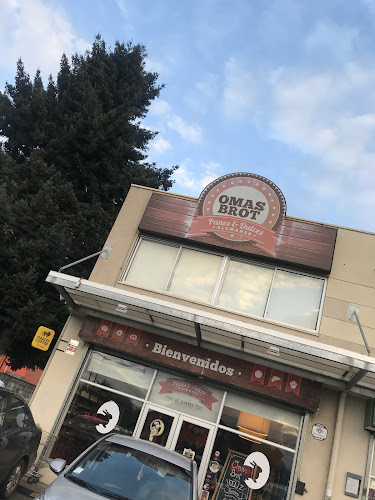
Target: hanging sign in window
(241,474)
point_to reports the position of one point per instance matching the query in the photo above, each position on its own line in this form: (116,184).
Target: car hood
(61,489)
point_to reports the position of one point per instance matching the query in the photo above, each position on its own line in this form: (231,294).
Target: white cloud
(191,133)
(330,116)
(315,113)
(204,94)
(333,38)
(39,33)
(239,89)
(160,108)
(327,114)
(159,146)
(189,179)
(121,4)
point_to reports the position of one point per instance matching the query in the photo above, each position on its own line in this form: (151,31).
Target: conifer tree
(70,153)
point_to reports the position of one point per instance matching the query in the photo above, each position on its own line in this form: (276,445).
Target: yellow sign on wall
(43,338)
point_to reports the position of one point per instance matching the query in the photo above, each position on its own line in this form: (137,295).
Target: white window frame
(221,277)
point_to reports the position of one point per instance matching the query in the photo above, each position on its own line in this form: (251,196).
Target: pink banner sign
(293,384)
(222,226)
(133,336)
(204,395)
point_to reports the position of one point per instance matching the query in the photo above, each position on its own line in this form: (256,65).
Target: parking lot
(27,491)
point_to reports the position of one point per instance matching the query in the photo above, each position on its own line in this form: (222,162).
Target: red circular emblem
(239,207)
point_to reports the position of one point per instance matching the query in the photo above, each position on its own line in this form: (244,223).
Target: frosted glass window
(295,299)
(152,265)
(246,288)
(195,275)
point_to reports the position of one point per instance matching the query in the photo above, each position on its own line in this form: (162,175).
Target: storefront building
(229,332)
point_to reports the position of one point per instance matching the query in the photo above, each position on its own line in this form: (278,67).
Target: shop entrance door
(186,435)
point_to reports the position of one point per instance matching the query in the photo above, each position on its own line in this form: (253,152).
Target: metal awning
(340,368)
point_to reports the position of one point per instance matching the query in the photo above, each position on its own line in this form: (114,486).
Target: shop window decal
(111,412)
(156,428)
(241,474)
(203,394)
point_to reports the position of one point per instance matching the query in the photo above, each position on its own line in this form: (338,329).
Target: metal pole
(335,446)
(107,249)
(362,332)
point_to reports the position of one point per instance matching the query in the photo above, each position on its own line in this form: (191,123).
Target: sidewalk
(30,490)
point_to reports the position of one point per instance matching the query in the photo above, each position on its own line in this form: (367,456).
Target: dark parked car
(19,440)
(124,468)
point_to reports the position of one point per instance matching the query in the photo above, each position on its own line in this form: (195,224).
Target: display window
(261,420)
(244,448)
(93,412)
(241,467)
(371,487)
(119,374)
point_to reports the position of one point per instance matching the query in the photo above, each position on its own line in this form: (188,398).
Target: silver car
(124,468)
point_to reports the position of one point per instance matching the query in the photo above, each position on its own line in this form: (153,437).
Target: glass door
(157,425)
(186,435)
(193,439)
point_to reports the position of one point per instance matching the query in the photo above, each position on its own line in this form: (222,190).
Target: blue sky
(281,88)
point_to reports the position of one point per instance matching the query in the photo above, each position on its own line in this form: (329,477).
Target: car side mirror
(57,465)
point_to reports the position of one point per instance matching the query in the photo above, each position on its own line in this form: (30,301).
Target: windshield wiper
(110,494)
(82,482)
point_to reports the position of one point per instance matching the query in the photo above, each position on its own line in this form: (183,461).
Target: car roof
(5,391)
(151,448)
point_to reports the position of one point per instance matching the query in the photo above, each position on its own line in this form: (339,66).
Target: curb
(30,490)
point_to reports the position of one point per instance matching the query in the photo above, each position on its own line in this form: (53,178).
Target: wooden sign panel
(302,243)
(195,360)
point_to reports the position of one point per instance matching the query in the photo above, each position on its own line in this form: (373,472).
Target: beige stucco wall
(57,377)
(122,237)
(352,455)
(353,446)
(316,454)
(351,281)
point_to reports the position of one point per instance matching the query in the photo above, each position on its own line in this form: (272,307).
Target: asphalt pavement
(27,491)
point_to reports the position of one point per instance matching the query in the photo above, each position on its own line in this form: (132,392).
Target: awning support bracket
(198,333)
(105,253)
(353,313)
(356,378)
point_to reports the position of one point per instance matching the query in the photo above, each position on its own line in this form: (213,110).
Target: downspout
(335,446)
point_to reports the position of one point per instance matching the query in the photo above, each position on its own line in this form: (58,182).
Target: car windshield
(116,471)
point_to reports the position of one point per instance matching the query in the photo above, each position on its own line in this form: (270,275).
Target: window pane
(371,490)
(186,396)
(195,275)
(261,420)
(93,413)
(246,288)
(119,374)
(3,406)
(152,265)
(295,299)
(265,475)
(17,414)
